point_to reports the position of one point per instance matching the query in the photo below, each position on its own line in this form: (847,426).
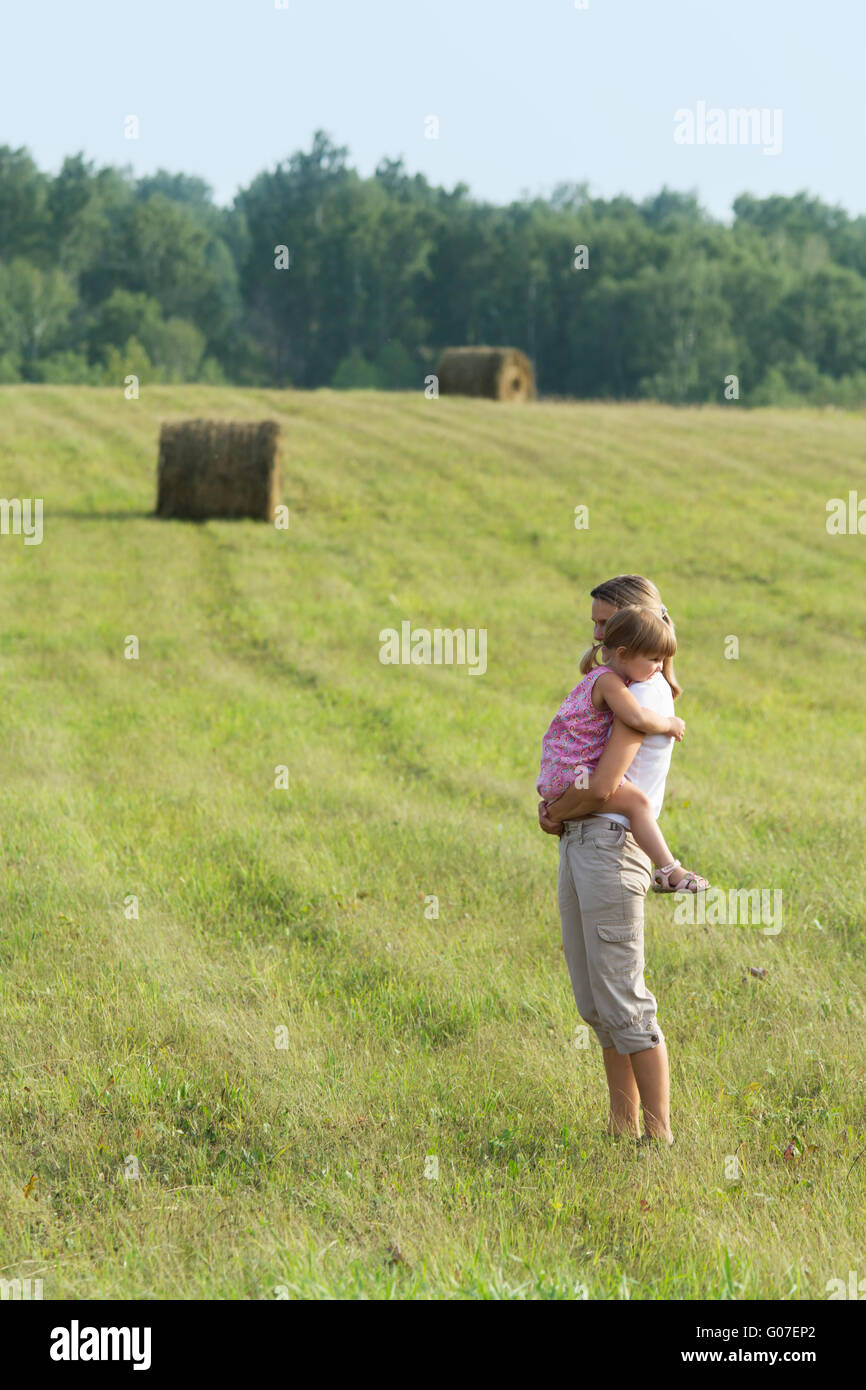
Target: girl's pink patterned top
(575,739)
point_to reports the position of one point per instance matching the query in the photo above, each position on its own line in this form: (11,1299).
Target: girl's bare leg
(631,802)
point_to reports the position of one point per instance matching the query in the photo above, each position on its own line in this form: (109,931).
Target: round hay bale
(218,468)
(497,373)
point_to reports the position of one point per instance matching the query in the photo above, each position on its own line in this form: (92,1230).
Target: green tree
(381,273)
(174,347)
(22,205)
(38,308)
(356,373)
(396,369)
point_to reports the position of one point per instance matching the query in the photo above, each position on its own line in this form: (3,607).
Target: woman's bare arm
(612,767)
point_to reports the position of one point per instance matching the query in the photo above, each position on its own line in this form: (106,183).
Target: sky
(526,93)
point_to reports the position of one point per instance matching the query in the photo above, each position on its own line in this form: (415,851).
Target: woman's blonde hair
(626,589)
(642,632)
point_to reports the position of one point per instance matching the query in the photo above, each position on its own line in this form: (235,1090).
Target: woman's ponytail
(668,663)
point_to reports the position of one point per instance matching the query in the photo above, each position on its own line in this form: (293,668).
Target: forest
(316,276)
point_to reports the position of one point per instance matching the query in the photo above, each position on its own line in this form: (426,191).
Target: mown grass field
(300,1170)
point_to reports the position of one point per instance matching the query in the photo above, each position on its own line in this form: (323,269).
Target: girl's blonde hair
(627,589)
(641,632)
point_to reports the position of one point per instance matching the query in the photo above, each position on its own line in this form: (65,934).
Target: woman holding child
(619,720)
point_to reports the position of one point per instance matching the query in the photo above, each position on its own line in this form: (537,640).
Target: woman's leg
(624,1106)
(624,1117)
(652,1073)
(611,875)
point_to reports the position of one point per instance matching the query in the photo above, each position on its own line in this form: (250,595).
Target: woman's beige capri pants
(603,879)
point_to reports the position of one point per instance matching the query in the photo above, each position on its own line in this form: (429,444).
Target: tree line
(316,276)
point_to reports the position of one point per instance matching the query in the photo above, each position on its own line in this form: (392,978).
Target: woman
(603,879)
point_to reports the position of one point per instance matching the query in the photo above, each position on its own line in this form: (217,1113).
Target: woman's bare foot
(624,1133)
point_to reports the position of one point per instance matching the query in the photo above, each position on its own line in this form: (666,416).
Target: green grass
(302,1167)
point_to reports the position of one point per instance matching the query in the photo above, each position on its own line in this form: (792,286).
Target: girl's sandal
(689,883)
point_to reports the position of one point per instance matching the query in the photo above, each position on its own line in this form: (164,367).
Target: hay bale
(499,374)
(210,468)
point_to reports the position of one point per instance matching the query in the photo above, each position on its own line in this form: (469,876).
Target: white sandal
(689,883)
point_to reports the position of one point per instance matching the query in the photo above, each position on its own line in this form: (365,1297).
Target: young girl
(636,645)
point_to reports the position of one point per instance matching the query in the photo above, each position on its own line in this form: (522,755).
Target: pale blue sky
(528,93)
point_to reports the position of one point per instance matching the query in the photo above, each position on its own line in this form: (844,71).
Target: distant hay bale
(499,374)
(216,468)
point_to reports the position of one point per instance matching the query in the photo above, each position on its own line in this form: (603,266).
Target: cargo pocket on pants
(624,955)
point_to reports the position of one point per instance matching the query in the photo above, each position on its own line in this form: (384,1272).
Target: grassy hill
(295,1161)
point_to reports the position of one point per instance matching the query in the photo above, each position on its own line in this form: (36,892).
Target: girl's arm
(618,697)
(612,767)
